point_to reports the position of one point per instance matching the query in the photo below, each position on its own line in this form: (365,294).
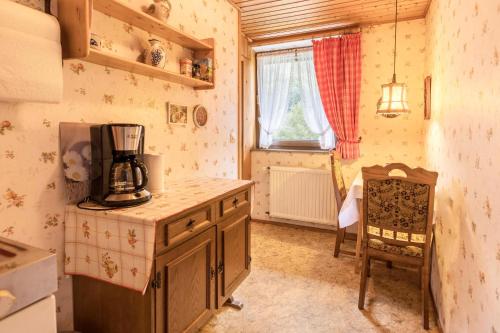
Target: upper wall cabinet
(75,18)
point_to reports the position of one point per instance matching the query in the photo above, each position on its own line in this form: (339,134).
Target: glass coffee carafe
(127,175)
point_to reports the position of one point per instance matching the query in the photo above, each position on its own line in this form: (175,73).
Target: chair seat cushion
(411,251)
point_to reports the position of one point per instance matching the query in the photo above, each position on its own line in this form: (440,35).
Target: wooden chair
(397,222)
(340,195)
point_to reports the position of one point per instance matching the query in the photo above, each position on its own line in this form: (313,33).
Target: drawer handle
(190,224)
(235,202)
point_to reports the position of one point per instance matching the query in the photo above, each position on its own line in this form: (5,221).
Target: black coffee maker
(118,173)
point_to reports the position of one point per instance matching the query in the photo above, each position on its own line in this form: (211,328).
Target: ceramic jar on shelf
(160,9)
(186,67)
(203,69)
(155,55)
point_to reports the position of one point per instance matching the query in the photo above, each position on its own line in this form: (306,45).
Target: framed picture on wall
(427,97)
(177,114)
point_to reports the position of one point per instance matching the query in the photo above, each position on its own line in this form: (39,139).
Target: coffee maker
(118,173)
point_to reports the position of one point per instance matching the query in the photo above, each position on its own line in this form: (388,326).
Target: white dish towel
(30,55)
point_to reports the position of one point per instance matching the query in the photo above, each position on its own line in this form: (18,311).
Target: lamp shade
(394,100)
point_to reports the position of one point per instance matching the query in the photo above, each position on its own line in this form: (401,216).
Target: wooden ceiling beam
(331,13)
(322,7)
(305,36)
(347,19)
(262,19)
(305,4)
(292,35)
(270,5)
(314,26)
(234,4)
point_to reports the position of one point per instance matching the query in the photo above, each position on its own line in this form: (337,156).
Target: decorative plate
(200,116)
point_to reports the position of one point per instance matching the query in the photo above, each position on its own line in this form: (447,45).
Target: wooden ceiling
(264,19)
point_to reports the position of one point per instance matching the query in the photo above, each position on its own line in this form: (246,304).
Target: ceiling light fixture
(394,100)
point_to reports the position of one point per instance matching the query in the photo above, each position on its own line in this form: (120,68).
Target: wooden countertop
(180,195)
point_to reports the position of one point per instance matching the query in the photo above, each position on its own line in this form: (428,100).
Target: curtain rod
(291,50)
(306,48)
(335,34)
(353,29)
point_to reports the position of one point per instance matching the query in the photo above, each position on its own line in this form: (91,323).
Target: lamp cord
(395,43)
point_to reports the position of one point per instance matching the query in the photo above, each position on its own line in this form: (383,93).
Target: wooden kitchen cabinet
(185,296)
(202,255)
(234,203)
(233,253)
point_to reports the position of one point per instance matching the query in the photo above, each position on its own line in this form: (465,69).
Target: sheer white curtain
(274,73)
(314,115)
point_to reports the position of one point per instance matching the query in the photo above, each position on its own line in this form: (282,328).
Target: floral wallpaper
(462,140)
(31,182)
(383,140)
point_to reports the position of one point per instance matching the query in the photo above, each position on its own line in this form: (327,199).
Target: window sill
(290,150)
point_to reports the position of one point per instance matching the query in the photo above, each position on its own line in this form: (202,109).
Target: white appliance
(39,317)
(28,279)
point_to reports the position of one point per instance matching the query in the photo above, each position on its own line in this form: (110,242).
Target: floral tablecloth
(117,246)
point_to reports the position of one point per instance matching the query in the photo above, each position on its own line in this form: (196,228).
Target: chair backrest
(338,179)
(398,210)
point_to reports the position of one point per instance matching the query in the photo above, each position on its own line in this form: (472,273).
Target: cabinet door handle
(156,283)
(190,224)
(220,268)
(235,202)
(212,273)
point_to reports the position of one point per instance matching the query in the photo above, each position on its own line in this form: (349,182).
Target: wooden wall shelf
(123,12)
(114,61)
(75,18)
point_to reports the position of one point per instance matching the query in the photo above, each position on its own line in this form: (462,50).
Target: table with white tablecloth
(350,212)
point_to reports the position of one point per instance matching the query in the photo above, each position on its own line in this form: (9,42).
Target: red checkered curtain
(337,62)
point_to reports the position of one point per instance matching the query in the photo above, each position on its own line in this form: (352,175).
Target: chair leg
(425,296)
(362,285)
(368,274)
(420,280)
(338,239)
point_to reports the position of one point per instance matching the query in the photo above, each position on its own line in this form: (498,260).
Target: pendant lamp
(394,100)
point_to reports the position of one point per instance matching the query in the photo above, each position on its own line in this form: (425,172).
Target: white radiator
(302,194)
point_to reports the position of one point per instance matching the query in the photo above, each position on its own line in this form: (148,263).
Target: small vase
(160,9)
(155,54)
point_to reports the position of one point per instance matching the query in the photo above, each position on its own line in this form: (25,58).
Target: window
(290,111)
(294,127)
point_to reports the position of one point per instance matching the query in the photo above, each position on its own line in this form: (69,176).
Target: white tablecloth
(349,213)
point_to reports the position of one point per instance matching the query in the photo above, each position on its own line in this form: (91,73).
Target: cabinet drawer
(187,226)
(234,203)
